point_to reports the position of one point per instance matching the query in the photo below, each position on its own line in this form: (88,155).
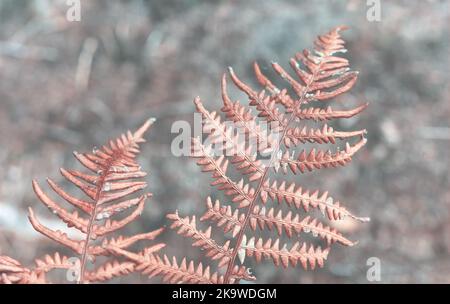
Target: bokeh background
(68,86)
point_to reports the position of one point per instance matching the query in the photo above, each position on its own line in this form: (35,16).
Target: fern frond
(116,177)
(188,227)
(319,114)
(242,193)
(50,262)
(320,76)
(318,159)
(224,216)
(11,271)
(125,242)
(326,134)
(243,118)
(259,248)
(299,197)
(186,271)
(110,270)
(267,218)
(56,235)
(233,144)
(264,104)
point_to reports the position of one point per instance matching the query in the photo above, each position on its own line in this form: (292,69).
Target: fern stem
(249,212)
(92,220)
(252,204)
(98,194)
(135,139)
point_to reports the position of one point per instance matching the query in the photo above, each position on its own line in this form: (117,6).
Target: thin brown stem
(249,212)
(98,194)
(91,222)
(252,204)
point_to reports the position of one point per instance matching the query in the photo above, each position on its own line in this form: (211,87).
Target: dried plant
(322,76)
(252,214)
(109,191)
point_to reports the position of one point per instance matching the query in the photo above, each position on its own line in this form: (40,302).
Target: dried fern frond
(320,75)
(151,264)
(110,190)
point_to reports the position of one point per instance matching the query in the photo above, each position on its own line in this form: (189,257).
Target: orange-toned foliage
(115,176)
(320,76)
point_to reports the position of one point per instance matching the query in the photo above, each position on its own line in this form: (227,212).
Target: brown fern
(321,75)
(116,177)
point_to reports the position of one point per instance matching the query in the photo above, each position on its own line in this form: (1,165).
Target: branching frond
(114,183)
(317,76)
(108,190)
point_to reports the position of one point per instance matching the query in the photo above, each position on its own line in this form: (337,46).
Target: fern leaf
(218,132)
(50,262)
(11,271)
(241,192)
(326,134)
(116,177)
(185,271)
(188,227)
(320,75)
(243,118)
(319,114)
(259,248)
(318,159)
(299,197)
(264,104)
(110,270)
(223,216)
(263,218)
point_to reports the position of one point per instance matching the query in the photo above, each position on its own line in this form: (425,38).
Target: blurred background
(68,86)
